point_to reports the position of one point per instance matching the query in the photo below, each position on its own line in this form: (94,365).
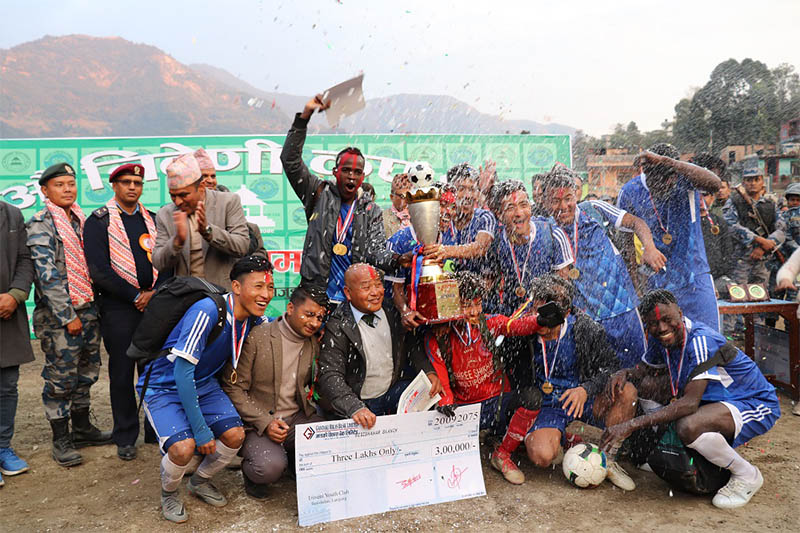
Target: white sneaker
(796,408)
(619,477)
(737,492)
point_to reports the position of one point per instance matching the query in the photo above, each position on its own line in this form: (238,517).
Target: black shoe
(127,453)
(64,452)
(255,490)
(84,433)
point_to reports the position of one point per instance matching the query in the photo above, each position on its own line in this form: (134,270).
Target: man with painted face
(272,388)
(203,232)
(603,287)
(184,400)
(471,229)
(362,356)
(718,398)
(665,195)
(343,229)
(573,362)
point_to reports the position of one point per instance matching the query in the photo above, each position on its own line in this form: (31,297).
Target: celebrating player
(720,399)
(184,401)
(573,362)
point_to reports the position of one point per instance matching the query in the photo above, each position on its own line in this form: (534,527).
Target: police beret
(54,171)
(131,169)
(794,188)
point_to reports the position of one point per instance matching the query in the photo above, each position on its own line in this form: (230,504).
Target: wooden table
(788,310)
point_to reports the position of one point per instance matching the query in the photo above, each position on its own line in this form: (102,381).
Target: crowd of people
(571,310)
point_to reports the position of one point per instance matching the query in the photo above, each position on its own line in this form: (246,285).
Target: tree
(742,103)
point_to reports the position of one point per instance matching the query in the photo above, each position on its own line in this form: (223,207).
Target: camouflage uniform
(72,363)
(744,229)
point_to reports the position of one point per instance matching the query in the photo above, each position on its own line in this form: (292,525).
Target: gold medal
(233,377)
(574,273)
(520,292)
(339,249)
(667,238)
(714,229)
(547,387)
(673,400)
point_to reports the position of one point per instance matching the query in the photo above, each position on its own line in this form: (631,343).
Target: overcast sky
(587,64)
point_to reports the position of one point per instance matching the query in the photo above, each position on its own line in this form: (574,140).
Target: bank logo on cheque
(308,433)
(16,161)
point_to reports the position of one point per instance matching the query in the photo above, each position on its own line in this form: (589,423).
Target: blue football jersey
(740,379)
(604,288)
(679,214)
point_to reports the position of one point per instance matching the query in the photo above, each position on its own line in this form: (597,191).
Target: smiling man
(603,287)
(203,231)
(273,388)
(719,398)
(573,362)
(65,318)
(362,355)
(343,229)
(184,401)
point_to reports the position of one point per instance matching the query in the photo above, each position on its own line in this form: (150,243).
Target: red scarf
(79,285)
(119,246)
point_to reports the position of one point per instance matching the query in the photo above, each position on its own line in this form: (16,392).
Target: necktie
(369,318)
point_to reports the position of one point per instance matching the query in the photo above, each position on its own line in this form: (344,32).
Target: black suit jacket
(343,363)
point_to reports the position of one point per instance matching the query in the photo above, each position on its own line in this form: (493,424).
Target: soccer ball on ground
(585,465)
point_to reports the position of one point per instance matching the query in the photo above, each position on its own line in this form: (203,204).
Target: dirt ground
(105,493)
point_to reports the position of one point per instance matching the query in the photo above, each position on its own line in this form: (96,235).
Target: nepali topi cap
(204,160)
(182,172)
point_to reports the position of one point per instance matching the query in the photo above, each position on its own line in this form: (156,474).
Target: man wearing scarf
(395,217)
(118,240)
(65,318)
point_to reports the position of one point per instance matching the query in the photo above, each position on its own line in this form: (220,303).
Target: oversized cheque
(407,460)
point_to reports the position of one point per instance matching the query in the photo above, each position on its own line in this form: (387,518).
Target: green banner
(250,167)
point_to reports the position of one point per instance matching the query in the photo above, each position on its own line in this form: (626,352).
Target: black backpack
(166,308)
(681,467)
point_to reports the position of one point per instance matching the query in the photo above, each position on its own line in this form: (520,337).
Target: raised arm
(300,178)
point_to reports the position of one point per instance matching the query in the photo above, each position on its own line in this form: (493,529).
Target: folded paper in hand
(346,98)
(417,396)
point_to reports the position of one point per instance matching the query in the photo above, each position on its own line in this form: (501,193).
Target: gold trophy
(437,297)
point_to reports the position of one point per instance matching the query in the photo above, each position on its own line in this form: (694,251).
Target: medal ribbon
(574,245)
(342,227)
(674,386)
(521,277)
(469,340)
(236,338)
(658,216)
(708,213)
(416,272)
(549,369)
(517,313)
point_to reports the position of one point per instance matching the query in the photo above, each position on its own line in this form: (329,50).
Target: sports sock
(213,463)
(171,474)
(716,449)
(521,422)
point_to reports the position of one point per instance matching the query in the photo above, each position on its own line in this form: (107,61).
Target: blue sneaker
(10,464)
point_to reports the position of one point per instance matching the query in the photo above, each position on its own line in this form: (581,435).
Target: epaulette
(100,212)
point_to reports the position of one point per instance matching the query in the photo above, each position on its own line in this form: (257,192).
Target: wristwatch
(207,231)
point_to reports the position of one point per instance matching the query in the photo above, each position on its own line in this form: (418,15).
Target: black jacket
(342,361)
(719,248)
(596,359)
(322,205)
